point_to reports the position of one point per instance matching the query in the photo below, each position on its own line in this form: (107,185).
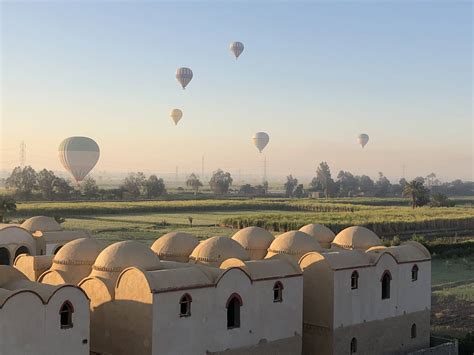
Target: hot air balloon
(260,140)
(184,76)
(176,115)
(236,48)
(79,155)
(362,139)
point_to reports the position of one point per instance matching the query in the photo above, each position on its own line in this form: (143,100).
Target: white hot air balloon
(79,155)
(260,140)
(184,76)
(362,139)
(236,48)
(176,115)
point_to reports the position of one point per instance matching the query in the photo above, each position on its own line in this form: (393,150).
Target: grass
(448,271)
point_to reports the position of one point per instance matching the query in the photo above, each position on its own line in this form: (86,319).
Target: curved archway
(22,250)
(65,315)
(278,292)
(57,249)
(386,278)
(233,311)
(4,256)
(354,280)
(353,345)
(185,305)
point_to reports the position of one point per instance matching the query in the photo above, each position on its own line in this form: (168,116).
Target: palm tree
(6,205)
(416,191)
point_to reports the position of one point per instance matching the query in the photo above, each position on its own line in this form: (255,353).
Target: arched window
(278,292)
(386,278)
(353,345)
(4,256)
(57,249)
(413,331)
(233,311)
(185,305)
(65,315)
(414,273)
(354,280)
(22,250)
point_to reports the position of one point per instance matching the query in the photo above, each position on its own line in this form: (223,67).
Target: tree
(382,186)
(134,183)
(366,185)
(89,187)
(154,187)
(194,182)
(430,180)
(441,200)
(23,181)
(417,192)
(348,184)
(62,188)
(324,179)
(247,189)
(299,191)
(290,185)
(7,205)
(46,182)
(220,182)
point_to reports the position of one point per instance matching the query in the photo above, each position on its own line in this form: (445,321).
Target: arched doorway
(4,256)
(22,250)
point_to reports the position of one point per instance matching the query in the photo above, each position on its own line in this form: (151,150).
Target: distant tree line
(421,190)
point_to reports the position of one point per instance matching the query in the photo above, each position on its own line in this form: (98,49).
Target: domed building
(323,234)
(49,235)
(356,238)
(41,224)
(73,262)
(15,241)
(294,244)
(175,246)
(255,241)
(215,250)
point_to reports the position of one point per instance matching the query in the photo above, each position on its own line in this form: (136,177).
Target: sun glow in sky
(313,75)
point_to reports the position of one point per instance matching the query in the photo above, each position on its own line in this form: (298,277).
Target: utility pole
(264,168)
(202,167)
(22,154)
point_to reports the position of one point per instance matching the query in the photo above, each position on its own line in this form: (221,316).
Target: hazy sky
(313,75)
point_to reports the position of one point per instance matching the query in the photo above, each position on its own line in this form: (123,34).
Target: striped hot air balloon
(184,76)
(79,155)
(236,48)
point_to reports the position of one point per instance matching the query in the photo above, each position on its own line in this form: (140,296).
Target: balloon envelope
(362,139)
(184,76)
(79,155)
(176,115)
(236,48)
(260,140)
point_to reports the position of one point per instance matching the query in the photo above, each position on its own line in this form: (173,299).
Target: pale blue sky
(313,75)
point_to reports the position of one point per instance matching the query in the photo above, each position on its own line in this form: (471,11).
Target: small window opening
(414,273)
(413,331)
(355,280)
(65,314)
(4,256)
(278,292)
(353,345)
(22,250)
(233,311)
(386,285)
(185,306)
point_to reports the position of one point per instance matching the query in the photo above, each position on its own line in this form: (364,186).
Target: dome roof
(356,238)
(322,233)
(41,223)
(294,243)
(254,238)
(83,251)
(215,250)
(175,244)
(121,255)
